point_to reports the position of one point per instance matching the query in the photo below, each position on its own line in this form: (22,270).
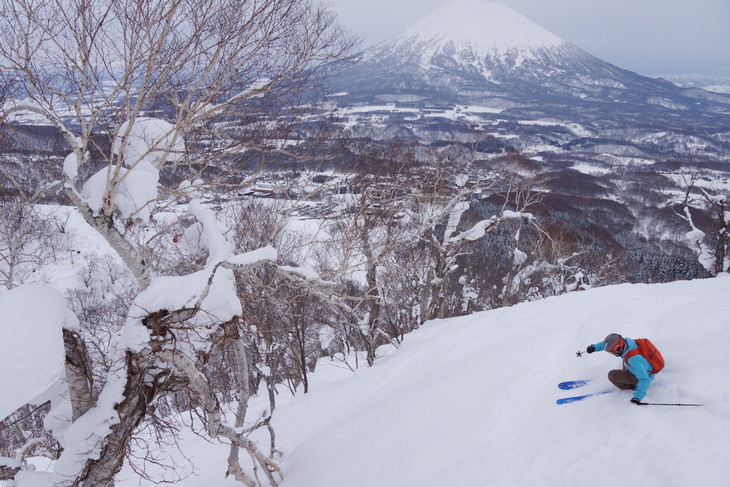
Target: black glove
(590,349)
(636,401)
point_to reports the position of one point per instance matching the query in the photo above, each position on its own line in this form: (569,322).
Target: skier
(642,361)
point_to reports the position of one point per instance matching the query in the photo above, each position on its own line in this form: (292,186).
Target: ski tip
(567,400)
(573,384)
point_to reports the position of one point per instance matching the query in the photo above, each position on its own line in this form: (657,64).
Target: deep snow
(471,401)
(31,343)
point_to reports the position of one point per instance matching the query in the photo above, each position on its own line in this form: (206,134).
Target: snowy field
(471,401)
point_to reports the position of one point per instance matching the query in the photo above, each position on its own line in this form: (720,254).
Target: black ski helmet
(615,344)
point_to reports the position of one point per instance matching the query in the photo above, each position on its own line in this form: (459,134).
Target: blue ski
(573,384)
(567,400)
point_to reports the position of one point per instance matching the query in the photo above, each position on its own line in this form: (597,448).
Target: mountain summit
(485,27)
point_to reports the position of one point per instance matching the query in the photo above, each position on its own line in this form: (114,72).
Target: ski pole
(666,404)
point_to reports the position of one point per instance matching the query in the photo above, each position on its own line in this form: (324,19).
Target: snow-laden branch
(483,227)
(9,467)
(14,106)
(305,272)
(148,139)
(104,224)
(257,89)
(131,191)
(455,218)
(212,234)
(696,237)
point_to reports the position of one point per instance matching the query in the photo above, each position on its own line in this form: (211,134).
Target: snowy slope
(471,401)
(480,28)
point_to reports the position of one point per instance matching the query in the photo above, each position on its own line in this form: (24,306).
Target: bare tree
(150,96)
(27,241)
(366,228)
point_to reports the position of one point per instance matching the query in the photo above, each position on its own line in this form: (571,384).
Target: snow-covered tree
(442,201)
(701,192)
(149,96)
(406,233)
(366,230)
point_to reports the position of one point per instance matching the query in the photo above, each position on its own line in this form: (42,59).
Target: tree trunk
(373,294)
(78,374)
(131,411)
(244,393)
(374,315)
(722,236)
(303,359)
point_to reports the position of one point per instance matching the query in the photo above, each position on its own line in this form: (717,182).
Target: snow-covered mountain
(472,34)
(473,62)
(468,44)
(708,83)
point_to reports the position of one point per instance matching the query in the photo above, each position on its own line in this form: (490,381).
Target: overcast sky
(647,36)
